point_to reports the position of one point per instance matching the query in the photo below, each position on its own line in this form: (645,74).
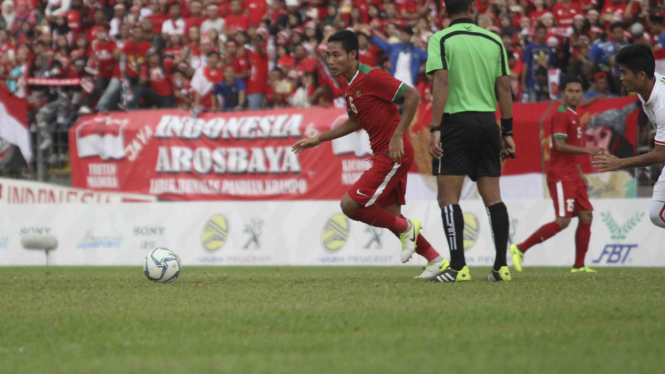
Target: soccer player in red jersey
(376,198)
(565,180)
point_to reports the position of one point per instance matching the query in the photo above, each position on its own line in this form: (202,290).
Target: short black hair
(571,79)
(213,53)
(615,25)
(348,39)
(541,25)
(457,6)
(637,58)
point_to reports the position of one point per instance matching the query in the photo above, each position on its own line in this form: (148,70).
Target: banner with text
(15,191)
(309,233)
(219,156)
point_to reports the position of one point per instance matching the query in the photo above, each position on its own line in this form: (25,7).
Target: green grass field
(329,320)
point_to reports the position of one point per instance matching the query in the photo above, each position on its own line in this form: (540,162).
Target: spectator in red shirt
(303,63)
(132,59)
(257,82)
(74,17)
(155,85)
(157,17)
(565,11)
(236,20)
(367,52)
(610,9)
(182,90)
(257,9)
(103,57)
(537,11)
(196,16)
(237,61)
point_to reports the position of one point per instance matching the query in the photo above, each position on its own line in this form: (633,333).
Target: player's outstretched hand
(396,149)
(596,151)
(508,150)
(435,145)
(606,162)
(303,144)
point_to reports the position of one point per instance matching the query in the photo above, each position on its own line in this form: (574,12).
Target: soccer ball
(162,265)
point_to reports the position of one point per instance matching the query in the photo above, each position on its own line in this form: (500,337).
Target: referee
(470,68)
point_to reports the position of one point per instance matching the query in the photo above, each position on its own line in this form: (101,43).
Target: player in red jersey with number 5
(565,180)
(376,198)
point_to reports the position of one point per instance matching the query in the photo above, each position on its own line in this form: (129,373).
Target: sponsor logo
(35,230)
(253,229)
(617,252)
(4,242)
(91,241)
(360,193)
(470,231)
(150,234)
(335,233)
(149,230)
(375,234)
(215,233)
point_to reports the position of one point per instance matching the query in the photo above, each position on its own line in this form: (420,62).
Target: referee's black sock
(453,226)
(498,215)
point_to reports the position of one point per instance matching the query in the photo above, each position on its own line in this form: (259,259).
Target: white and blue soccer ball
(162,265)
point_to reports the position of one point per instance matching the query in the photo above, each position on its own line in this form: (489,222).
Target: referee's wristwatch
(433,128)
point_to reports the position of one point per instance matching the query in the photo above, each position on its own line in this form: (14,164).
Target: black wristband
(433,128)
(506,127)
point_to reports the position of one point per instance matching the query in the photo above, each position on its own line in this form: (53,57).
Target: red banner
(247,155)
(219,156)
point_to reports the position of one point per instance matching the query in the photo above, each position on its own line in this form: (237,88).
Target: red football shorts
(569,197)
(384,184)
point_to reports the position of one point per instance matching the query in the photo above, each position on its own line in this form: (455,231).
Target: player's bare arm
(440,87)
(349,126)
(505,95)
(396,146)
(561,146)
(607,162)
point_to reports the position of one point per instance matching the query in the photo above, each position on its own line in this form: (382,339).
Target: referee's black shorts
(471,143)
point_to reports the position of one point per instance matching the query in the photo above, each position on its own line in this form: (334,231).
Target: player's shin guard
(543,233)
(582,237)
(453,226)
(379,217)
(498,216)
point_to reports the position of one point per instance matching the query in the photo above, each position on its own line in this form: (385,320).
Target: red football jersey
(563,16)
(565,125)
(371,97)
(135,56)
(258,79)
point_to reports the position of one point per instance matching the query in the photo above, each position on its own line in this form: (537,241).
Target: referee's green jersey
(474,58)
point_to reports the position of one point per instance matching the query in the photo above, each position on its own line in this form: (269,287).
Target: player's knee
(563,222)
(348,208)
(586,217)
(657,213)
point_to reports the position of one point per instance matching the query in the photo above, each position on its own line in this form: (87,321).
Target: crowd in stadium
(257,54)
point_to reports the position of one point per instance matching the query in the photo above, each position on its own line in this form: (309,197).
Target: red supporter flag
(14,120)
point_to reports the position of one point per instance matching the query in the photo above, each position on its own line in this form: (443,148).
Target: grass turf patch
(329,320)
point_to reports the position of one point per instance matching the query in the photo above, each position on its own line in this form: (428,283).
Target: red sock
(582,237)
(423,247)
(379,217)
(543,233)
